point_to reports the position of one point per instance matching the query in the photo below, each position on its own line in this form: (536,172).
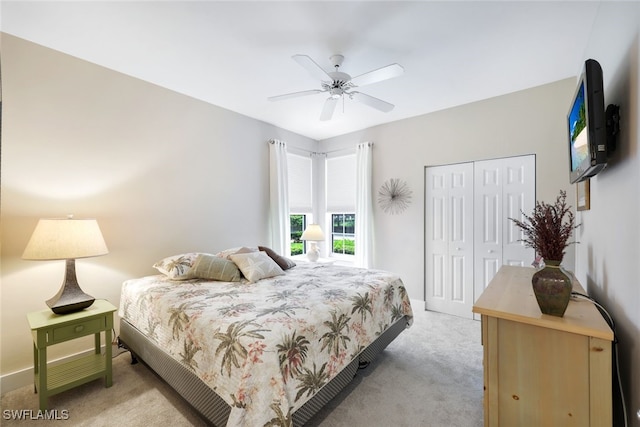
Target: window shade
(300,189)
(341,184)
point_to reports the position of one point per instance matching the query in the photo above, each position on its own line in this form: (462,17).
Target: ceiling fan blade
(384,73)
(327,110)
(310,65)
(369,100)
(294,94)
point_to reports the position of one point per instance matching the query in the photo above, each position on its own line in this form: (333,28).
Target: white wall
(526,122)
(608,257)
(163,173)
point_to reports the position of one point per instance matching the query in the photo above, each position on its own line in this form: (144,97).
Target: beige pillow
(239,250)
(214,268)
(256,265)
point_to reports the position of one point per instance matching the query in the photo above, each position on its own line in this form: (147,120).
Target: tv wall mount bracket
(612,114)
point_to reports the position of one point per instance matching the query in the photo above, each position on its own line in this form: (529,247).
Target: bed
(261,349)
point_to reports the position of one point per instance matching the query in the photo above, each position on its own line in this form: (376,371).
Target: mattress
(266,348)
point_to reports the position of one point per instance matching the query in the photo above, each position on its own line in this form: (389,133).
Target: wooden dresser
(541,370)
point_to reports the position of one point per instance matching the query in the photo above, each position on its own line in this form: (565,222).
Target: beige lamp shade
(313,233)
(65,238)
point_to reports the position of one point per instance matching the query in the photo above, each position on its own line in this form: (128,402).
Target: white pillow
(256,265)
(239,250)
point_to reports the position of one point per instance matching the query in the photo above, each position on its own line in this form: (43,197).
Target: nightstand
(49,328)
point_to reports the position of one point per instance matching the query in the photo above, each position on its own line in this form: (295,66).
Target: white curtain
(279,198)
(364,206)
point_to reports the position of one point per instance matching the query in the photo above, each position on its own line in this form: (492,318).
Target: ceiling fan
(339,84)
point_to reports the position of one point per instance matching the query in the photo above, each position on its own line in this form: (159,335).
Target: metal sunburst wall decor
(394,196)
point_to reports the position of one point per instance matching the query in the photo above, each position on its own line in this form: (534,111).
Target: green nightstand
(49,328)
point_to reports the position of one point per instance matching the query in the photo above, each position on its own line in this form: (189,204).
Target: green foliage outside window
(344,223)
(298,223)
(342,233)
(297,248)
(344,246)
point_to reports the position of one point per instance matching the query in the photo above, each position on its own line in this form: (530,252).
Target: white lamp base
(313,253)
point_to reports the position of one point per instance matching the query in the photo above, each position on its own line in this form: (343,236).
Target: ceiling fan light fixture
(336,93)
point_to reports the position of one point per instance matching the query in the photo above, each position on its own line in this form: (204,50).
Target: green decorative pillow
(214,268)
(283,262)
(256,265)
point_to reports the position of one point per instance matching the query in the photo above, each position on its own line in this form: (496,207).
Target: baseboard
(24,377)
(16,380)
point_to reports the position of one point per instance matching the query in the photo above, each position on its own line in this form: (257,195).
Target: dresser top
(510,296)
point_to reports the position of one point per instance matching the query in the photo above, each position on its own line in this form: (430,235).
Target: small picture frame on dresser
(583,195)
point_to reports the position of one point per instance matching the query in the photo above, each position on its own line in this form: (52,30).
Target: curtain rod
(321,153)
(370,144)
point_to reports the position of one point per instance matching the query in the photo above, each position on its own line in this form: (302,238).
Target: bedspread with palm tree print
(267,347)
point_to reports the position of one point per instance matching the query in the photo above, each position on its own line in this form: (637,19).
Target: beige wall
(153,166)
(608,257)
(532,121)
(526,122)
(163,173)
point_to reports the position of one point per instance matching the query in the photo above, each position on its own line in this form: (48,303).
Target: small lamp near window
(68,239)
(313,233)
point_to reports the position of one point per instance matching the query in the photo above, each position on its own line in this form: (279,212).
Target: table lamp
(68,239)
(313,233)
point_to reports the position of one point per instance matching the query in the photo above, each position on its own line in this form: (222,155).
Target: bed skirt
(210,405)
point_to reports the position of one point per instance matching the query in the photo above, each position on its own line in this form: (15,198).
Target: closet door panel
(488,221)
(449,239)
(436,234)
(519,189)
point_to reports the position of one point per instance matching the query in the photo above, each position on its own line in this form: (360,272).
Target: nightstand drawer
(78,329)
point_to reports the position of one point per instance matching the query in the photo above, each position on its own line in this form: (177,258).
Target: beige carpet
(431,375)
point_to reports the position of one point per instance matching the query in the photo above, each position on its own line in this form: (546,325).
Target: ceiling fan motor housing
(336,60)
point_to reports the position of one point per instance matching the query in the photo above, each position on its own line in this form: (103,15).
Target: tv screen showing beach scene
(578,130)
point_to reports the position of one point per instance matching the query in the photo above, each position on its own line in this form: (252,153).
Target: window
(341,203)
(298,224)
(300,198)
(342,233)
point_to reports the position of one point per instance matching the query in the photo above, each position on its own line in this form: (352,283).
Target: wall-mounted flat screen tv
(586,122)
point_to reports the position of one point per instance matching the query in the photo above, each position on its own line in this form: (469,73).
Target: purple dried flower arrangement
(549,228)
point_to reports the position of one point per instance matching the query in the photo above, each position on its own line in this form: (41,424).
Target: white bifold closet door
(449,238)
(468,234)
(503,189)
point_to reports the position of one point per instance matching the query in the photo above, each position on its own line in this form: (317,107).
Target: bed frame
(210,405)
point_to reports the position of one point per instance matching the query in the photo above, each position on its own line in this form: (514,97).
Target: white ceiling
(236,54)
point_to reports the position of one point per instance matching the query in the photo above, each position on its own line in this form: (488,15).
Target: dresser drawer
(87,327)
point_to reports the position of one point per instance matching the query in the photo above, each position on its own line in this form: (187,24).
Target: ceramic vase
(552,287)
